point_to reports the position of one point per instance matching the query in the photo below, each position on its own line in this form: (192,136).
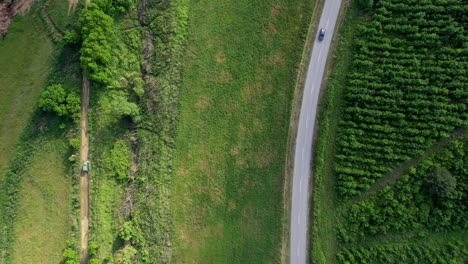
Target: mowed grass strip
(42,224)
(240,72)
(25,57)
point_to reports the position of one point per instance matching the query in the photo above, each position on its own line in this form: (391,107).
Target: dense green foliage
(390,181)
(119,160)
(407,89)
(70,254)
(55,99)
(410,205)
(455,252)
(111,146)
(96,31)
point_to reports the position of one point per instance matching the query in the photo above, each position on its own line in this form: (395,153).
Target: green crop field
(25,57)
(395,179)
(240,71)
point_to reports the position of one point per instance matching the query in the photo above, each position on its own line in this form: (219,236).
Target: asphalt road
(301,178)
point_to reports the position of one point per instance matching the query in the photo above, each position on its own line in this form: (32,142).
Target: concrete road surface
(300,192)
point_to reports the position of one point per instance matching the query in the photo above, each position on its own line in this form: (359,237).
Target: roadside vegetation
(398,89)
(241,65)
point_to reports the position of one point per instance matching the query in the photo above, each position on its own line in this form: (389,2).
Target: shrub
(119,160)
(70,256)
(71,37)
(75,143)
(127,231)
(441,183)
(126,255)
(54,99)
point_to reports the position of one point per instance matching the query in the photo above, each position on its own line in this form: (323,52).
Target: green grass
(323,239)
(42,226)
(241,65)
(36,193)
(62,17)
(25,58)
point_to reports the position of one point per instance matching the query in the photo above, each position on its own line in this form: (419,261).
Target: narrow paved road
(300,192)
(84,175)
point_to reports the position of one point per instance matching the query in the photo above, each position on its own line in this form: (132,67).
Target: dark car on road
(321,34)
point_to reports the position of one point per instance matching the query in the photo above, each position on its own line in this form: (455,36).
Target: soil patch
(8,10)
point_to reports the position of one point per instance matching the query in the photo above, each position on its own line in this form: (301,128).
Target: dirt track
(84,176)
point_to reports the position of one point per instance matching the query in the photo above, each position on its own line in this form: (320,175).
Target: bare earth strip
(72,5)
(84,175)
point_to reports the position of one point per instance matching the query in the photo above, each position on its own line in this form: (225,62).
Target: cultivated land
(42,225)
(374,208)
(241,66)
(25,56)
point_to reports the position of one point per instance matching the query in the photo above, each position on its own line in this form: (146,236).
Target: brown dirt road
(84,175)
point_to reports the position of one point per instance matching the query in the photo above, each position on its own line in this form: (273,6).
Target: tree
(441,183)
(71,37)
(54,99)
(96,29)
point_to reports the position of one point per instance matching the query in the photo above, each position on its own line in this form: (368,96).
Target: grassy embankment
(37,190)
(240,71)
(390,244)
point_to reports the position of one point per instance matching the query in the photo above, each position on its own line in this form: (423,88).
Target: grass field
(37,191)
(241,65)
(61,15)
(43,222)
(25,56)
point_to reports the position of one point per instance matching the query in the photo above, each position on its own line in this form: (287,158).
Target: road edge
(295,108)
(320,109)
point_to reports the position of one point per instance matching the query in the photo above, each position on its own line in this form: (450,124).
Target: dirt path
(392,176)
(84,176)
(50,21)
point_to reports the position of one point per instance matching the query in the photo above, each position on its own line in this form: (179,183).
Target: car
(85,166)
(321,34)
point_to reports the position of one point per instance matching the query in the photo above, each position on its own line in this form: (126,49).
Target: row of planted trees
(405,91)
